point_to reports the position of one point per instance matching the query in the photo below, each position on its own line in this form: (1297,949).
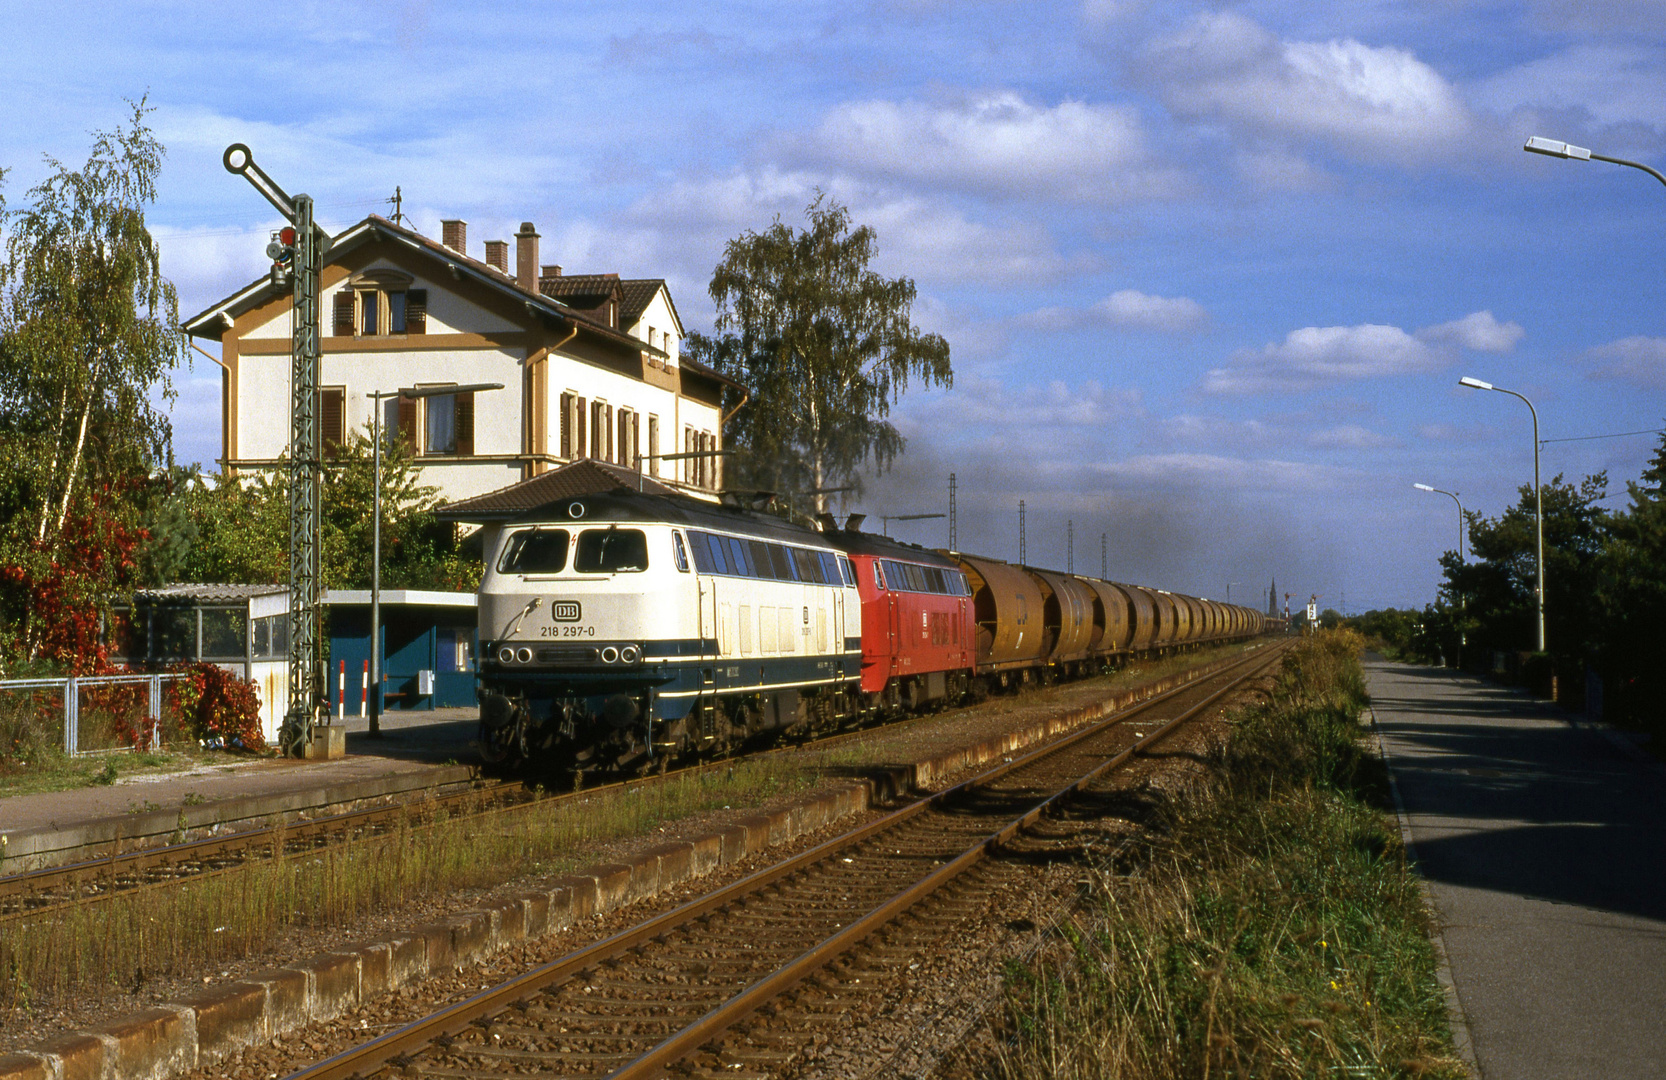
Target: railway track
(39,893)
(739,982)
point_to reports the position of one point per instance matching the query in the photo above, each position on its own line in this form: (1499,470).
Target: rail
(511,1006)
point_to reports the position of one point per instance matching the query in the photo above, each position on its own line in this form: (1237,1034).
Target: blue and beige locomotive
(620,630)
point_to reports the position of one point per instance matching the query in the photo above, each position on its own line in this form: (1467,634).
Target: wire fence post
(155,712)
(72,718)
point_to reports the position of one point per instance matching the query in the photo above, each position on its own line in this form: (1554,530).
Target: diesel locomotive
(622,630)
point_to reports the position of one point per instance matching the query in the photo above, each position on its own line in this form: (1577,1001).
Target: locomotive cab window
(611,551)
(535,551)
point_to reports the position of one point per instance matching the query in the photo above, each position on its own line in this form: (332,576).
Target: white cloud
(1319,354)
(1315,355)
(1001,145)
(1468,433)
(1126,309)
(921,238)
(1350,437)
(1478,331)
(1610,83)
(1374,102)
(1637,360)
(985,405)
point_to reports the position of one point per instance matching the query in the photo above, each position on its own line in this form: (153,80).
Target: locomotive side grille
(568,654)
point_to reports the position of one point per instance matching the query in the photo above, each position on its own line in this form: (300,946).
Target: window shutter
(578,442)
(567,426)
(344,313)
(465,423)
(332,401)
(416,311)
(408,422)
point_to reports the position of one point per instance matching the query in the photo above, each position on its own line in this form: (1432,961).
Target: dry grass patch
(1269,928)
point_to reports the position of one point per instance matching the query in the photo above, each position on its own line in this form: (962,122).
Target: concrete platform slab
(1544,846)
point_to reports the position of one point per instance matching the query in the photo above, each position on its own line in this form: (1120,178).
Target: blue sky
(1209,272)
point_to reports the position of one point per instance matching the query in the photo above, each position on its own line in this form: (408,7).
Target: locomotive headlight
(630,654)
(506,655)
(524,655)
(610,655)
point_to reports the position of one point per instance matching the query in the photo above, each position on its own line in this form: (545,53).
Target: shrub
(215,704)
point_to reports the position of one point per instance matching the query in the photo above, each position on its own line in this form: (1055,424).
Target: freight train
(623,630)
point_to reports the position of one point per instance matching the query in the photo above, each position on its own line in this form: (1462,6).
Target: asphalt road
(1544,845)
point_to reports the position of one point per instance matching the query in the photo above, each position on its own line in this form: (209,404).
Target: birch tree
(88,336)
(825,346)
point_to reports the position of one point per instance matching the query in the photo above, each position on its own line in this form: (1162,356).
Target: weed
(108,774)
(1276,930)
(95,947)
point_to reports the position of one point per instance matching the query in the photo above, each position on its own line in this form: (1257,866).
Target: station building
(590,364)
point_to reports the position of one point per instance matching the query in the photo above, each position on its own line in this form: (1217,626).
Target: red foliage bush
(214,703)
(54,588)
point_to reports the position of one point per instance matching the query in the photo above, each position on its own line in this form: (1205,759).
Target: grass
(1271,927)
(178,929)
(32,757)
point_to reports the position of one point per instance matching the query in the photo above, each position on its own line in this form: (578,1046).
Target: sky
(1209,272)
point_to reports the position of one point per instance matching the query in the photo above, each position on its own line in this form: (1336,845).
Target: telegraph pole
(298,255)
(952,519)
(1023,556)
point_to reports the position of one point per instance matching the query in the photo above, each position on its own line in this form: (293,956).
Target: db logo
(565,611)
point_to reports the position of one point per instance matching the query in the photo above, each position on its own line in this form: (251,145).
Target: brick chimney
(526,257)
(454,234)
(497,255)
(551,270)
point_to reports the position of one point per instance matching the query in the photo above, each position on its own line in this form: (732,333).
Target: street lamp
(1463,635)
(376,396)
(1554,148)
(1453,495)
(1538,498)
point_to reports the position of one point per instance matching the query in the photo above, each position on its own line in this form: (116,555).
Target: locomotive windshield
(535,551)
(611,551)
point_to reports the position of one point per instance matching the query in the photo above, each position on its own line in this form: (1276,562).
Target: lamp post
(1453,495)
(374,729)
(1463,635)
(1538,144)
(1538,499)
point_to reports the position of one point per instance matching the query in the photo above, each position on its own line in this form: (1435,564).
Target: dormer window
(380,303)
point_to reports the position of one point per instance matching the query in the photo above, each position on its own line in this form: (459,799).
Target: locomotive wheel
(500,743)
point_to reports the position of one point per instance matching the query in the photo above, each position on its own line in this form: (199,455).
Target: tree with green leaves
(824,345)
(88,336)
(1497,587)
(237,531)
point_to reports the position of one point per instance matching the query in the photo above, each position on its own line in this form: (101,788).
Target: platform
(1543,841)
(416,750)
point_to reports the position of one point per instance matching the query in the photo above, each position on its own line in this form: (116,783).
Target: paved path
(1544,845)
